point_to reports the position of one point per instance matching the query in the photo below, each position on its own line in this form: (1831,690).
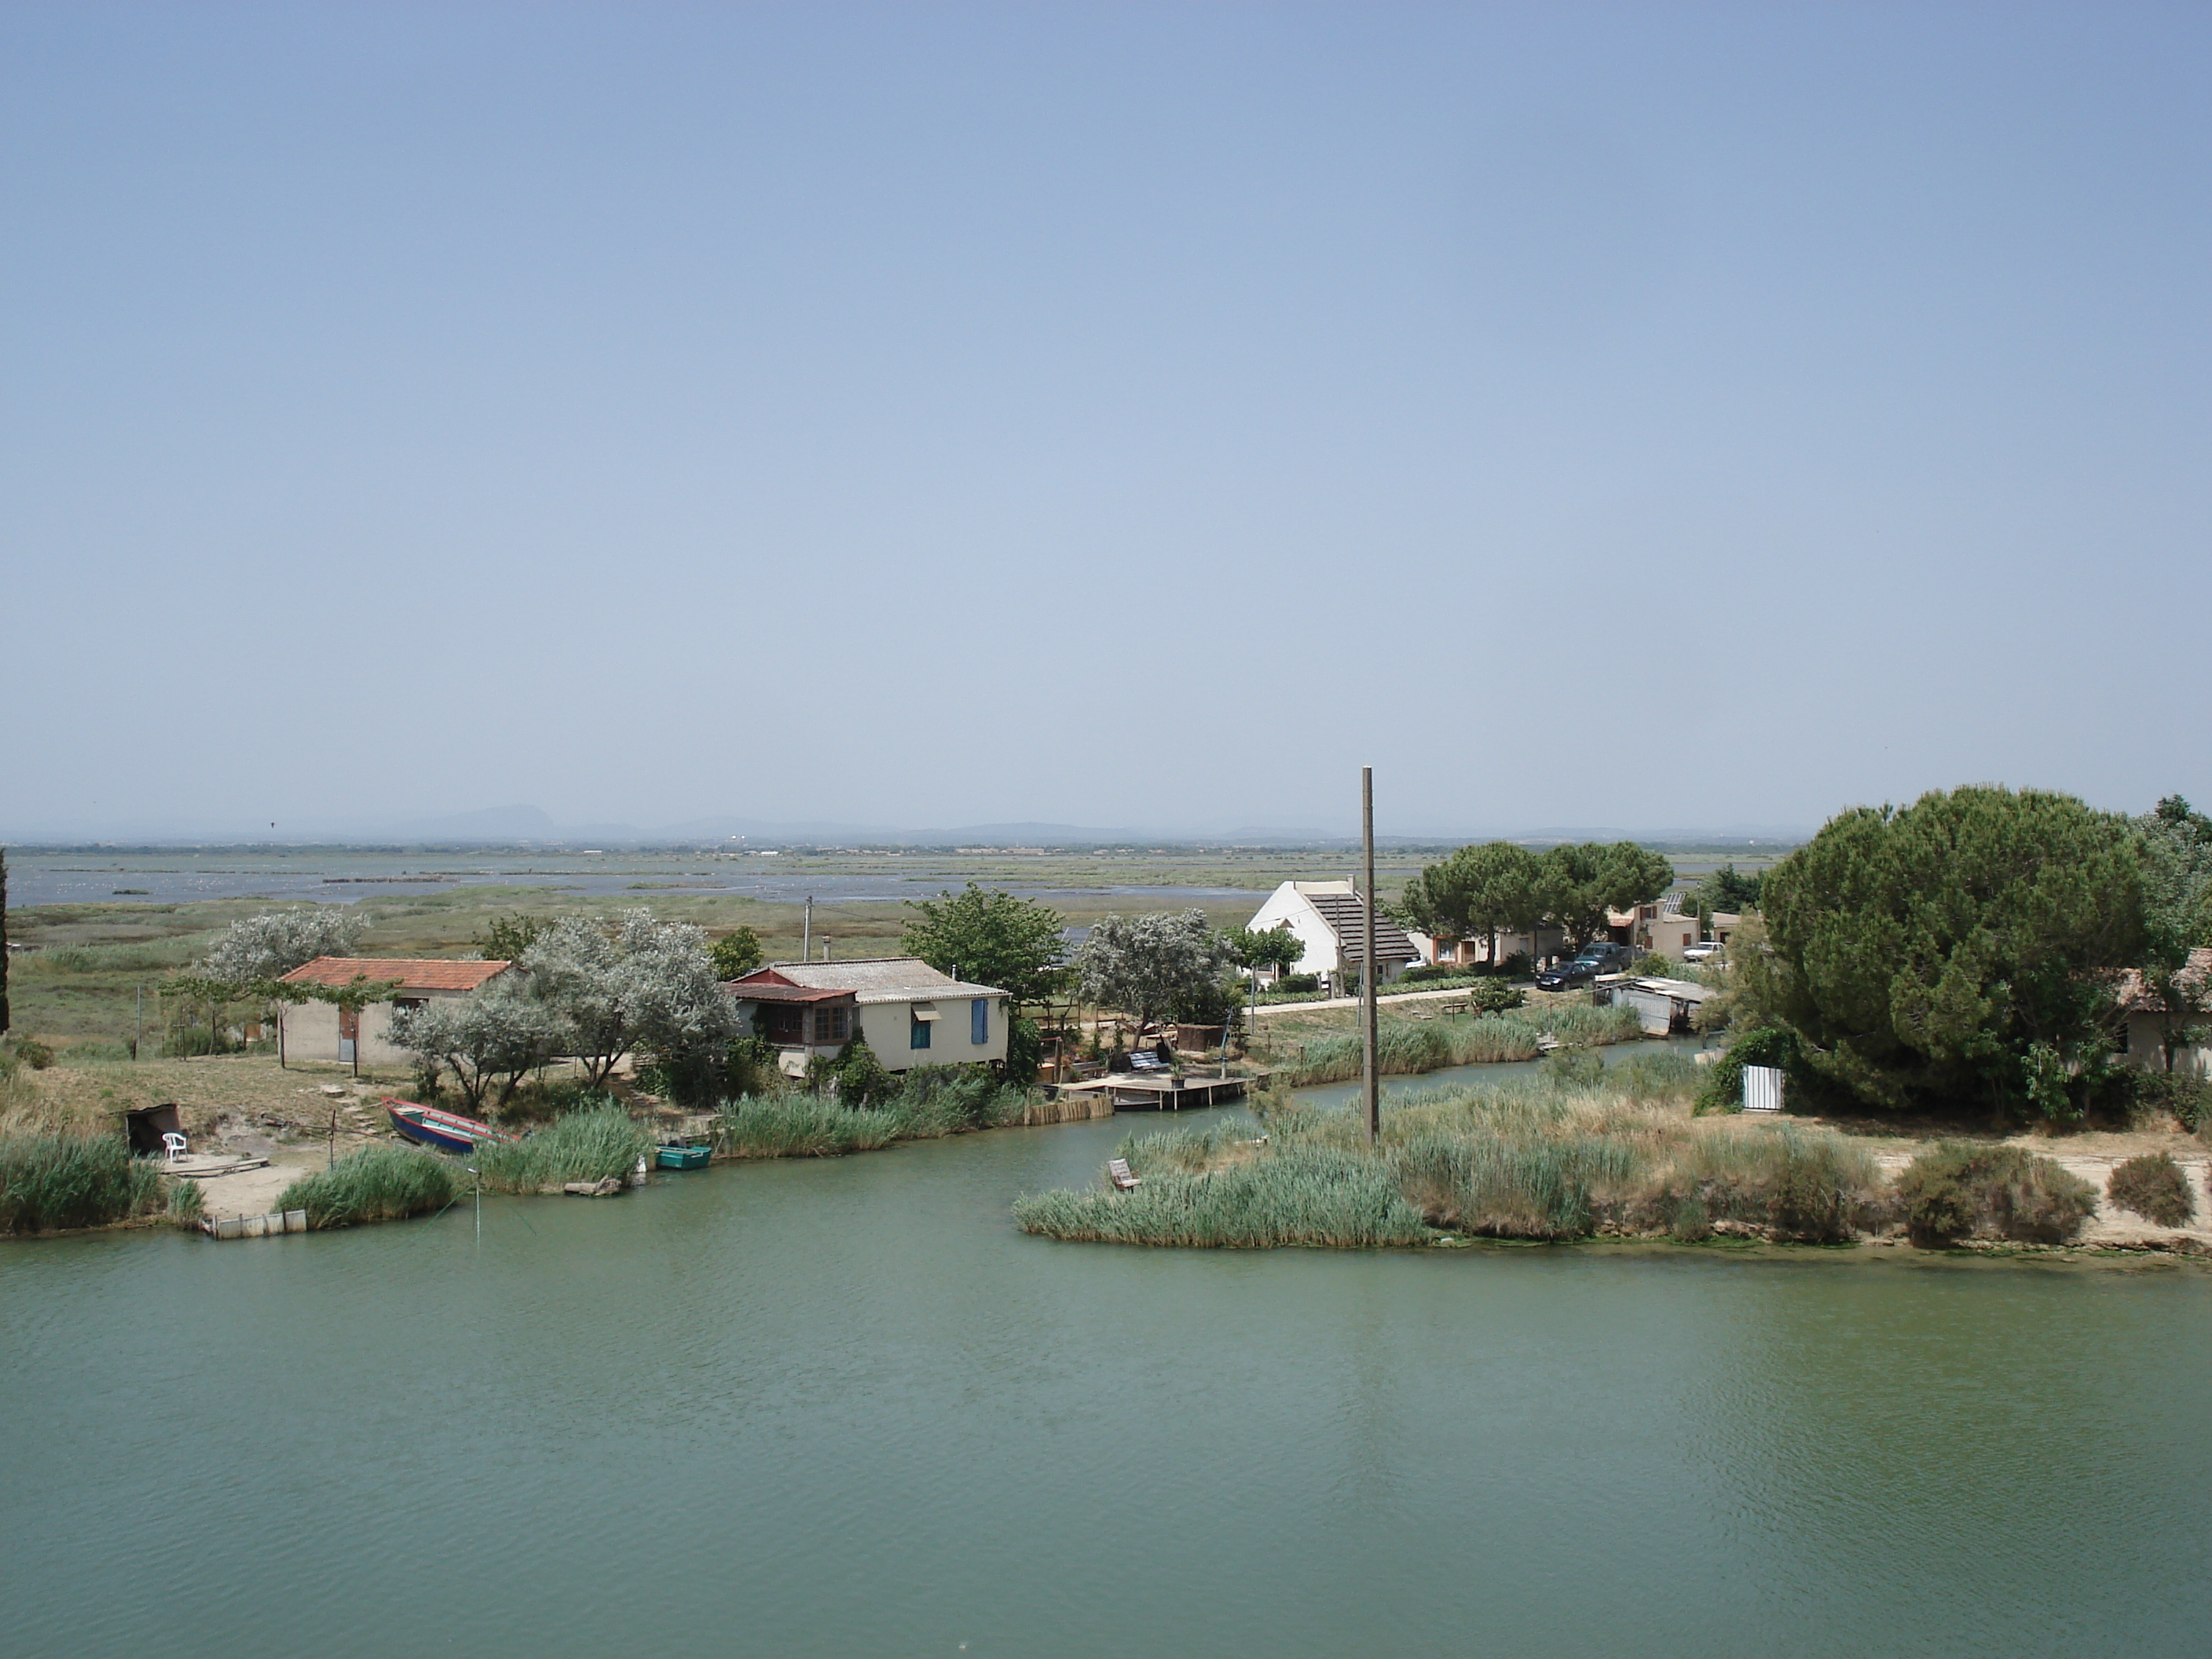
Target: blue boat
(677,1156)
(443,1131)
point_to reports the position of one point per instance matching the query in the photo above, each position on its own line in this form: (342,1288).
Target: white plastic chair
(174,1143)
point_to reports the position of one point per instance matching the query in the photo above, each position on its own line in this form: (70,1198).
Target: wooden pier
(1134,1092)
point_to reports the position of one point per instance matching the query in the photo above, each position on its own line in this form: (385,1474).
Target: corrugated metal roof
(414,973)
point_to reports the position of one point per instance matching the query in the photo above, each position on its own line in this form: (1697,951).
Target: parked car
(1703,950)
(1591,961)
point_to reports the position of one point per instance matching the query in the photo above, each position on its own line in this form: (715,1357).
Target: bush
(51,1182)
(1493,995)
(1296,985)
(2155,1188)
(1421,972)
(34,1053)
(1652,965)
(1763,1045)
(1955,1191)
(378,1183)
(856,1076)
(2188,1099)
(590,1145)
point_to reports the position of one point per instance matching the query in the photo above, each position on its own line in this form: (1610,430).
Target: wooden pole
(1367,1030)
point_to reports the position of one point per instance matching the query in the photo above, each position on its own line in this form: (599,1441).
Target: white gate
(1762,1088)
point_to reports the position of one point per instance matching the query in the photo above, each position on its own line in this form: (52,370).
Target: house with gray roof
(1330,919)
(911,1013)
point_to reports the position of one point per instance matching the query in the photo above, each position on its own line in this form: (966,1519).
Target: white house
(2143,1027)
(1329,918)
(910,1014)
(323,1031)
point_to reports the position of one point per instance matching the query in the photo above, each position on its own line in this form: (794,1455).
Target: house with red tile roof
(323,1031)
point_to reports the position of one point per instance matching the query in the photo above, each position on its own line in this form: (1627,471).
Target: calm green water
(841,1408)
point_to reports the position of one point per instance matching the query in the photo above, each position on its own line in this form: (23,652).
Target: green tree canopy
(990,938)
(1728,889)
(2177,857)
(1580,883)
(737,953)
(1959,951)
(1478,889)
(1275,947)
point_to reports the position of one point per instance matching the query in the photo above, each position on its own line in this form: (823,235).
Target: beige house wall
(886,1026)
(310,1030)
(2146,1048)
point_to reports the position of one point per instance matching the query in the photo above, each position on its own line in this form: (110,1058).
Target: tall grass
(1312,1196)
(1537,1158)
(378,1183)
(1409,1047)
(932,1102)
(799,1125)
(51,1182)
(590,1145)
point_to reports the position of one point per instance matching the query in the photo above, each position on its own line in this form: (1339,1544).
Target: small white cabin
(1329,918)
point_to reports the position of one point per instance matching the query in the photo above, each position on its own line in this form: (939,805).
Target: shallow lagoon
(842,1408)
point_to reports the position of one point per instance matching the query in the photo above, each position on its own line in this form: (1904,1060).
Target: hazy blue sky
(931,414)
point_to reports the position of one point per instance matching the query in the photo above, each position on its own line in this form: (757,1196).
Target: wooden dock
(1134,1092)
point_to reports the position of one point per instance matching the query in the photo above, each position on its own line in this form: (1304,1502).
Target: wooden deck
(1134,1092)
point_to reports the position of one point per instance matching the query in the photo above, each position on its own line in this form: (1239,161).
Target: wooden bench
(1118,1172)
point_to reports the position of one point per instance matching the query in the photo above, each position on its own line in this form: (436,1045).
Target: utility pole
(1367,1032)
(806,938)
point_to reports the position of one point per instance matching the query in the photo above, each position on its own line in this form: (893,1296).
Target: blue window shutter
(917,1032)
(979,1020)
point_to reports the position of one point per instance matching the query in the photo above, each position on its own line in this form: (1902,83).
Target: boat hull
(444,1132)
(683,1157)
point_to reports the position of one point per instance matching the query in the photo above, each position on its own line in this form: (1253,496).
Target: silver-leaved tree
(1147,965)
(643,986)
(274,943)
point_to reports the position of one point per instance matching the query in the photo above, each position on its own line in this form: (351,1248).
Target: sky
(1706,417)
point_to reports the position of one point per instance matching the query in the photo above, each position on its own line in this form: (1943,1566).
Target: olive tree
(642,987)
(271,945)
(1962,949)
(1148,965)
(489,1039)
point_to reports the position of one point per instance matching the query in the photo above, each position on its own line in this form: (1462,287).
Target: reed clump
(1309,1195)
(2155,1188)
(932,1102)
(1551,1157)
(52,1181)
(378,1183)
(590,1145)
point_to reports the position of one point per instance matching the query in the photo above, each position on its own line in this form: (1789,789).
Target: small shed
(1665,1006)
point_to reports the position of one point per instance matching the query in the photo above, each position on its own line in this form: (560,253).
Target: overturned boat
(443,1131)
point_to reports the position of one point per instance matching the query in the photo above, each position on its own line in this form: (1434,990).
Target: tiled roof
(2135,1000)
(882,979)
(766,985)
(1346,917)
(413,973)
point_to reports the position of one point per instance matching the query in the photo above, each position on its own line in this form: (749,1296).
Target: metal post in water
(1370,1081)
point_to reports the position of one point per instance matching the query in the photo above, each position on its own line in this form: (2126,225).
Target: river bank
(1623,1157)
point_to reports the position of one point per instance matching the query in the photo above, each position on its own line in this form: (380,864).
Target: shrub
(1493,995)
(1762,1045)
(1652,965)
(859,1077)
(2155,1188)
(1955,1191)
(2187,1098)
(50,1181)
(1297,984)
(1810,1186)
(378,1183)
(34,1053)
(590,1145)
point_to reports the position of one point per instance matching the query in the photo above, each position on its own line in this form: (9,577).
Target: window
(979,1020)
(917,1030)
(829,1024)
